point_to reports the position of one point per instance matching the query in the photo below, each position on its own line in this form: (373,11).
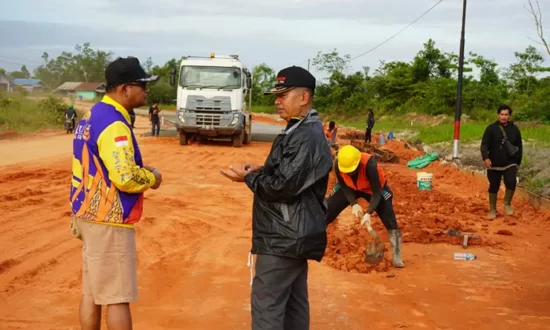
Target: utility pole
(308,64)
(458,112)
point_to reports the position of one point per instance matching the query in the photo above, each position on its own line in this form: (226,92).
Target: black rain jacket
(289,208)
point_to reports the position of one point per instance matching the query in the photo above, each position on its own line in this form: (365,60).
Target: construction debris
(381,155)
(353,135)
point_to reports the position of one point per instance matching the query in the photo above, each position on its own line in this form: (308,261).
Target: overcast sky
(278,33)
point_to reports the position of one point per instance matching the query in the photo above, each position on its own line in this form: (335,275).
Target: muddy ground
(534,173)
(195,235)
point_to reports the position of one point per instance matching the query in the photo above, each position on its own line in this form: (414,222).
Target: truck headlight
(235,119)
(180,117)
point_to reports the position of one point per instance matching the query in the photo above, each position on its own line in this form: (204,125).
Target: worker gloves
(357,211)
(365,220)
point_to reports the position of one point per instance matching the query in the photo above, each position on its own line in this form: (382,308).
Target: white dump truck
(211,99)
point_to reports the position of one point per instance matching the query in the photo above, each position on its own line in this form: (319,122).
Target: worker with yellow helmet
(359,176)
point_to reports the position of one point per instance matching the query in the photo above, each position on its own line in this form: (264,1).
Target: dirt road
(195,235)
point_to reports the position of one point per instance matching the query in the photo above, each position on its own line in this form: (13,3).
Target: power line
(403,29)
(394,35)
(18,60)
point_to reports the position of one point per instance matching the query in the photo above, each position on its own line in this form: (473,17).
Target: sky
(278,34)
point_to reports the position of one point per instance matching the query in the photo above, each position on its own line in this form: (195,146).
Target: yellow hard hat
(348,159)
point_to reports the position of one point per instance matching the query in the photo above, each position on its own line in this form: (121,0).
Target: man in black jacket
(289,206)
(499,160)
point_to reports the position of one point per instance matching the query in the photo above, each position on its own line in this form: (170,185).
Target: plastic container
(424,180)
(381,139)
(464,256)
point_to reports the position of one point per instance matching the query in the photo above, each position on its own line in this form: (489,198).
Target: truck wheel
(238,139)
(183,138)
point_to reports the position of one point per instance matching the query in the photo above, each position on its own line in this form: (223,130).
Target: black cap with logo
(126,70)
(291,77)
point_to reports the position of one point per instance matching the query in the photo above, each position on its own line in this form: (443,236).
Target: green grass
(469,131)
(381,126)
(20,114)
(264,109)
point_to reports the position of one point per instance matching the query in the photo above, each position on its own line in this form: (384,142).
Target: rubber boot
(492,206)
(507,200)
(395,242)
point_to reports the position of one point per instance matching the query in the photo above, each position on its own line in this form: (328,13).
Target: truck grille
(208,119)
(208,108)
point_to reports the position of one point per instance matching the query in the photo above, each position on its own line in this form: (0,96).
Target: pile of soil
(267,118)
(10,134)
(405,152)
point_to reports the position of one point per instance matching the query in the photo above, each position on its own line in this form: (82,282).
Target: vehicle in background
(211,99)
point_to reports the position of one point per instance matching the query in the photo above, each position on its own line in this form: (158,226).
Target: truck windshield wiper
(227,86)
(210,86)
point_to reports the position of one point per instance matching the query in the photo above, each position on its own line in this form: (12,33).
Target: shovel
(375,248)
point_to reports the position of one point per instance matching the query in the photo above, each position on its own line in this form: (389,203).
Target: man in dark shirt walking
(70,113)
(499,140)
(155,118)
(370,125)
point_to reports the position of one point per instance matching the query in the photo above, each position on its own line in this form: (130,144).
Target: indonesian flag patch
(121,141)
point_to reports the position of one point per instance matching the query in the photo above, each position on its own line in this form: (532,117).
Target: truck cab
(211,99)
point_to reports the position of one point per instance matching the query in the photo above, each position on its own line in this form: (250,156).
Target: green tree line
(428,83)
(425,84)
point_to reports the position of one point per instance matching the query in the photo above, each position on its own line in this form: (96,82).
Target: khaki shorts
(109,268)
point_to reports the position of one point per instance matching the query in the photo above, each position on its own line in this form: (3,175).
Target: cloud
(25,42)
(386,12)
(277,33)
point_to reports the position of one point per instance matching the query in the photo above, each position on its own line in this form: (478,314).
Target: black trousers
(368,134)
(337,202)
(496,176)
(156,124)
(279,298)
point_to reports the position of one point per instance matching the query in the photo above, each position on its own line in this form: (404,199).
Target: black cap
(291,77)
(126,70)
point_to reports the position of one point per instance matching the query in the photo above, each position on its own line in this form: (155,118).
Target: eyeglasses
(138,84)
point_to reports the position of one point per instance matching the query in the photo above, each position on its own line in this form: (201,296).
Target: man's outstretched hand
(254,168)
(234,174)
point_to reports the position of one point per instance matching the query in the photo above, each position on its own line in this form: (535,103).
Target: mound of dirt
(404,152)
(8,135)
(268,119)
(423,216)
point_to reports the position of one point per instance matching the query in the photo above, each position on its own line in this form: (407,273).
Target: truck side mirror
(172,76)
(248,82)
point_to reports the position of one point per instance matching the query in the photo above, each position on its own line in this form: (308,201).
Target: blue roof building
(31,85)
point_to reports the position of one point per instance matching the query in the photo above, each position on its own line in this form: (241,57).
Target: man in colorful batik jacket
(106,196)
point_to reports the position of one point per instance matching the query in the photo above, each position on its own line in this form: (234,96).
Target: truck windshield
(210,77)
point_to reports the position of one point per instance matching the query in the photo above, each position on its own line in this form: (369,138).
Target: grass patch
(166,107)
(470,131)
(20,114)
(381,126)
(264,109)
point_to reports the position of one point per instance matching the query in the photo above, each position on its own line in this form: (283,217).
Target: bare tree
(537,17)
